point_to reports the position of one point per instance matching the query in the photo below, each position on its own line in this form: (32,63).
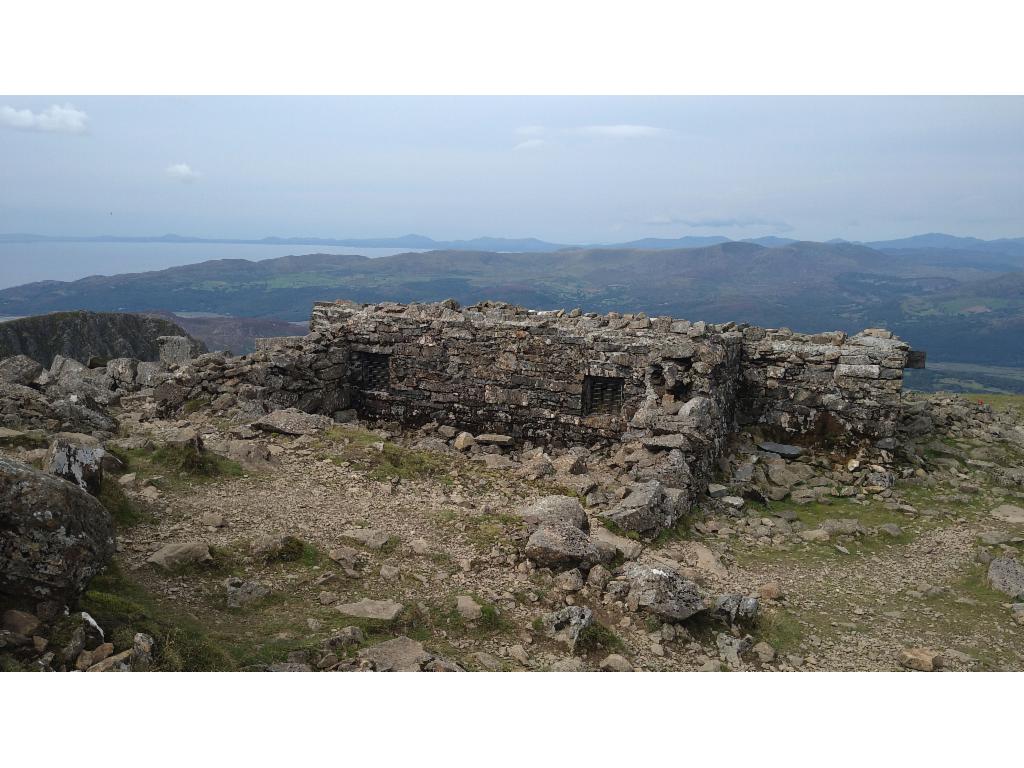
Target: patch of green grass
(125,512)
(611,526)
(486,530)
(781,631)
(195,404)
(681,531)
(599,639)
(123,607)
(176,466)
(292,549)
(186,461)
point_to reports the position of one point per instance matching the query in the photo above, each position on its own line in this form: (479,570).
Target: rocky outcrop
(54,536)
(84,335)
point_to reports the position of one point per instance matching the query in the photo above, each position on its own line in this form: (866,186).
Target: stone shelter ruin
(675,387)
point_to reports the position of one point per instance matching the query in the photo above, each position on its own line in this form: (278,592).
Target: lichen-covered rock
(663,592)
(647,508)
(1006,574)
(54,536)
(559,544)
(240,592)
(77,458)
(568,624)
(19,369)
(736,608)
(550,509)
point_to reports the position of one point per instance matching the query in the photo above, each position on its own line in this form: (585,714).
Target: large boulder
(1006,574)
(550,509)
(663,592)
(19,369)
(78,459)
(561,545)
(54,536)
(80,383)
(647,508)
(122,372)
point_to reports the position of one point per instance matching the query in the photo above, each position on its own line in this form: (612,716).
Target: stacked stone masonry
(675,387)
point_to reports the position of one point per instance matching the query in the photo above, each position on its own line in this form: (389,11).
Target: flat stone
(117,663)
(1009,513)
(716,491)
(370,538)
(290,421)
(781,449)
(628,548)
(401,654)
(185,553)
(646,508)
(493,439)
(380,610)
(615,663)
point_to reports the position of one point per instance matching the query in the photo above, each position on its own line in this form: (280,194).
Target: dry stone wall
(670,391)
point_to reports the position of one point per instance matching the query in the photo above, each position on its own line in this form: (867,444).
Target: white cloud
(55,118)
(529,144)
(621,131)
(530,130)
(182,172)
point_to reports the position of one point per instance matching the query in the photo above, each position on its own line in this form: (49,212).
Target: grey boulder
(561,545)
(1006,574)
(54,536)
(647,508)
(77,458)
(551,509)
(663,592)
(568,624)
(19,369)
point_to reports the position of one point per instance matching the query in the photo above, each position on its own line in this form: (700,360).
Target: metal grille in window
(602,394)
(374,373)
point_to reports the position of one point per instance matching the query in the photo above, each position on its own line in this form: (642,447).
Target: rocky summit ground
(303,544)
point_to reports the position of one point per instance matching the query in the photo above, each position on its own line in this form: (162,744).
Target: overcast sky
(562,169)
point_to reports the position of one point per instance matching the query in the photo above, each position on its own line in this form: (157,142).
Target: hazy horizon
(565,169)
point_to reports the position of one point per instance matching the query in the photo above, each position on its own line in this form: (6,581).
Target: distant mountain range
(963,302)
(1009,246)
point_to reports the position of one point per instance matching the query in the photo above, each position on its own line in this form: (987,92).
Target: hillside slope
(955,304)
(81,335)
